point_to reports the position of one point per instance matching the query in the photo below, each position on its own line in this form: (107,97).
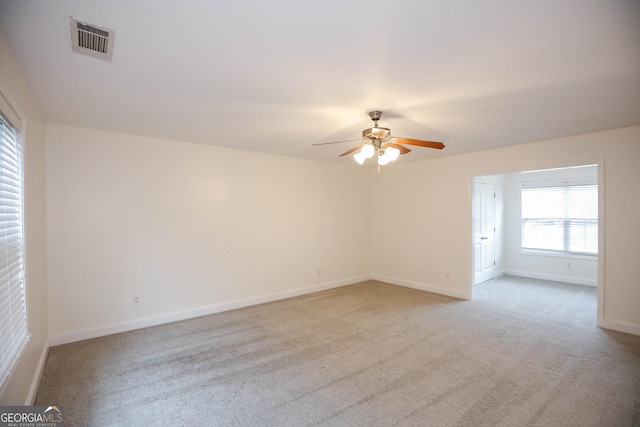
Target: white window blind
(561,219)
(13,319)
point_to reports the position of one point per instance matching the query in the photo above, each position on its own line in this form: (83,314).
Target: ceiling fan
(379,140)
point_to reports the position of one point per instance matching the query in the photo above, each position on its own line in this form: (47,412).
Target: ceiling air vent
(91,40)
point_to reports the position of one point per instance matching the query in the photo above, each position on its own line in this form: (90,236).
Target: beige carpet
(369,354)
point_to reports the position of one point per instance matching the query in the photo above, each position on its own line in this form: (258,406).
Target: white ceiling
(278,76)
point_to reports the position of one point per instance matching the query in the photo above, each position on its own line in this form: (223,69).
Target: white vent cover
(91,40)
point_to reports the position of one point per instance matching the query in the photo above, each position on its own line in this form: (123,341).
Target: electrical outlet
(135,300)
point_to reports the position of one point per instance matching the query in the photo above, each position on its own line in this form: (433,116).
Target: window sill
(558,254)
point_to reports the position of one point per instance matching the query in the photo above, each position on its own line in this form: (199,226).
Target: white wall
(422,225)
(569,269)
(22,385)
(422,216)
(190,229)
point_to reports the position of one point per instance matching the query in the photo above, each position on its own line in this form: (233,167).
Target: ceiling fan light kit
(379,140)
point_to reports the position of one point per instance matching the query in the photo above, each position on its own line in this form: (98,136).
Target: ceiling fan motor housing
(376,133)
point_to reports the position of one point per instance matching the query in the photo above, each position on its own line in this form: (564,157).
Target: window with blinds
(561,219)
(13,317)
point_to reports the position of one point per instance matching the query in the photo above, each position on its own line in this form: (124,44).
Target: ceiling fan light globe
(392,152)
(360,158)
(383,160)
(368,151)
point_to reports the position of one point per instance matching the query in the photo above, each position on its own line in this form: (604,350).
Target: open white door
(483,232)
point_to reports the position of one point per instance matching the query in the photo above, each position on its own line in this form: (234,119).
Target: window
(13,317)
(561,219)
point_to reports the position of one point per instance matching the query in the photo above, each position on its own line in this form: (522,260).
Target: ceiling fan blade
(350,151)
(403,150)
(428,144)
(338,142)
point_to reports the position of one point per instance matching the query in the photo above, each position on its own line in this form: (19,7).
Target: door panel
(483,232)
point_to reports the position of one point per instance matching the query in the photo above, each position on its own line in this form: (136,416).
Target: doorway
(500,240)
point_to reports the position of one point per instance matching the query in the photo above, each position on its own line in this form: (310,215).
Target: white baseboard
(553,277)
(423,287)
(37,375)
(620,326)
(143,322)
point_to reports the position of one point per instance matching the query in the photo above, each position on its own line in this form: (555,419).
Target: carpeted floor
(521,353)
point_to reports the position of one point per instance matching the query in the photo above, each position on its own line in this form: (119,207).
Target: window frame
(18,336)
(552,252)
